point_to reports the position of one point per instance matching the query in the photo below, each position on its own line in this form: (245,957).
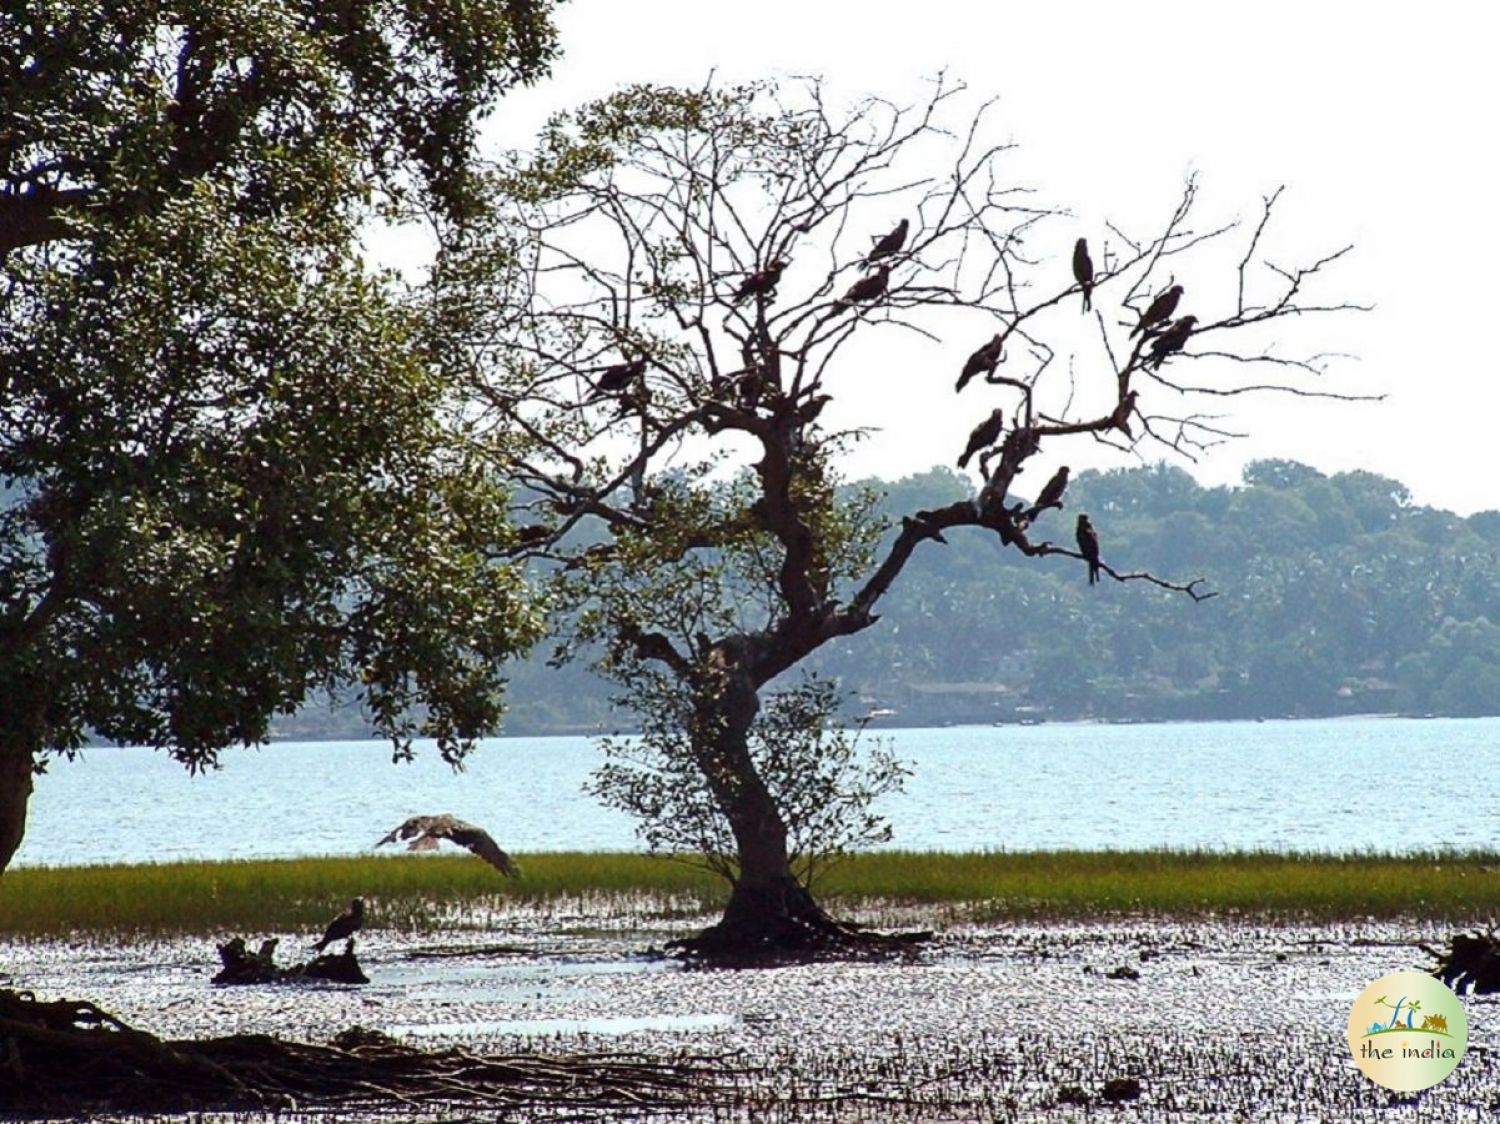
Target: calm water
(1351,784)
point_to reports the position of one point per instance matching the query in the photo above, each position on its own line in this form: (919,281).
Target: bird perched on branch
(616,378)
(1120,419)
(1159,309)
(1171,340)
(1051,494)
(985,433)
(890,244)
(866,288)
(345,925)
(982,362)
(760,282)
(425,831)
(1083,271)
(1088,546)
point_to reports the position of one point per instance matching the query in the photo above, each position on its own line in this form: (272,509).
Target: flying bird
(985,433)
(1158,310)
(982,362)
(866,288)
(1051,495)
(760,282)
(619,376)
(344,925)
(425,831)
(1171,340)
(1083,271)
(890,244)
(1088,546)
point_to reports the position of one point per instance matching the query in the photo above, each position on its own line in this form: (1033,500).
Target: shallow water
(1350,784)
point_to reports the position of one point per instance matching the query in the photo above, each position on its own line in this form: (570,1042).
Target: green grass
(413,893)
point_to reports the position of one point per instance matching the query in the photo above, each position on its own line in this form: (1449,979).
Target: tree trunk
(17,759)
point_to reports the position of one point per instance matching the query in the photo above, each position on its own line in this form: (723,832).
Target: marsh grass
(414,893)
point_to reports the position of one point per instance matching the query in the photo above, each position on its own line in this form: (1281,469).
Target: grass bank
(415,892)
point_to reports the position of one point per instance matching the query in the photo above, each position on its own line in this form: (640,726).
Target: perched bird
(1171,340)
(982,362)
(890,244)
(985,433)
(866,288)
(1120,419)
(616,378)
(345,925)
(425,831)
(1083,271)
(1158,310)
(1051,494)
(1088,546)
(760,282)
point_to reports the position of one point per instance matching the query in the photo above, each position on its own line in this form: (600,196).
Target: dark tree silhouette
(706,586)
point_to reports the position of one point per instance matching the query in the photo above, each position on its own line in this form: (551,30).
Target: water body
(1329,786)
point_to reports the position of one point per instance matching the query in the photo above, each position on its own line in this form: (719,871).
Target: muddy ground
(1226,1020)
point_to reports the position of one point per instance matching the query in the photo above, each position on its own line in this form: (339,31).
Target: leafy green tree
(228,478)
(690,296)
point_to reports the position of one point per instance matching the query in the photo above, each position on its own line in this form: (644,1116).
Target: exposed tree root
(72,1058)
(241,966)
(1472,962)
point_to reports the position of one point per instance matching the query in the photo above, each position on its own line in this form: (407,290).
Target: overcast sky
(1379,119)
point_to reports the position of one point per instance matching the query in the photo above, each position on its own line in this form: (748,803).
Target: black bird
(1158,310)
(982,362)
(345,925)
(866,288)
(1171,340)
(761,281)
(1120,419)
(985,433)
(1088,546)
(1083,271)
(1051,495)
(619,376)
(425,831)
(890,244)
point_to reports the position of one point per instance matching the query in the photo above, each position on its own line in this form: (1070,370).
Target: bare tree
(696,267)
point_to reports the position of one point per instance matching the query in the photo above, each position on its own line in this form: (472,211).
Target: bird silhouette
(1171,340)
(890,244)
(1051,494)
(619,376)
(425,832)
(985,433)
(1120,419)
(760,282)
(866,288)
(344,925)
(1159,309)
(1088,546)
(982,362)
(1083,271)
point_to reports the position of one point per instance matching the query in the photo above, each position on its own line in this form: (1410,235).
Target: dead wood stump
(241,966)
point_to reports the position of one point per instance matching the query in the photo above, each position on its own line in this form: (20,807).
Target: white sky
(1380,119)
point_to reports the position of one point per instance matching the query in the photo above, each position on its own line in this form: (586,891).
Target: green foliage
(824,786)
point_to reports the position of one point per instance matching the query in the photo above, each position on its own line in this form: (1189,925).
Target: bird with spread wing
(426,831)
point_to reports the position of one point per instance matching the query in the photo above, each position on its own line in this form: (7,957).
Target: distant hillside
(1336,595)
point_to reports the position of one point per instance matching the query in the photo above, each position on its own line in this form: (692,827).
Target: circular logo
(1407,1031)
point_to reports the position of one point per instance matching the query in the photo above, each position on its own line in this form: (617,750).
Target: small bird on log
(982,362)
(1088,546)
(1051,494)
(866,288)
(618,377)
(425,831)
(890,244)
(1171,340)
(345,925)
(986,433)
(760,282)
(1158,310)
(1083,271)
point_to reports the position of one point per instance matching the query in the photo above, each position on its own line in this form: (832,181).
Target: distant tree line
(1336,595)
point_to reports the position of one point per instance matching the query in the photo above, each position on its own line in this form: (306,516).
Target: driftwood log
(70,1058)
(241,966)
(1472,963)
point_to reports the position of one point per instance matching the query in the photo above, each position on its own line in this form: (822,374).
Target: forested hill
(1336,595)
